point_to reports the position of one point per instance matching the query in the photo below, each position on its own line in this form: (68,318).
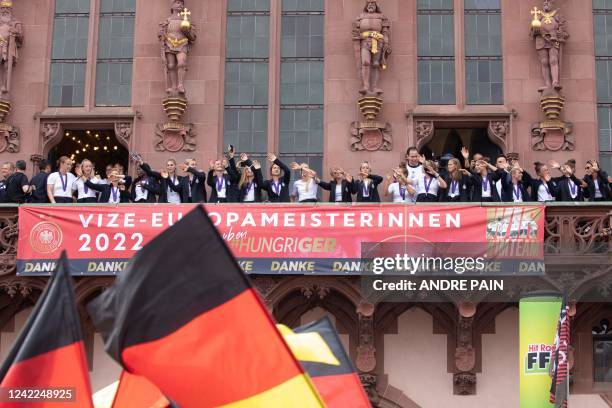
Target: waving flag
(49,352)
(185,316)
(559,388)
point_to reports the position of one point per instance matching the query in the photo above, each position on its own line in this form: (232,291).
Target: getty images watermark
(434,271)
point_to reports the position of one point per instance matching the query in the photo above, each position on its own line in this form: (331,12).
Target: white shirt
(82,190)
(141,193)
(221,193)
(114,199)
(432,183)
(570,184)
(57,181)
(173,196)
(305,190)
(414,173)
(597,190)
(516,199)
(498,186)
(486,184)
(544,193)
(396,190)
(338,192)
(250,194)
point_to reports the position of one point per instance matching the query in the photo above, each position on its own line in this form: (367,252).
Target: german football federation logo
(46,237)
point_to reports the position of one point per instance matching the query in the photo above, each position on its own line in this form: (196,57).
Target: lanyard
(573,187)
(276,186)
(85,188)
(64,182)
(427,185)
(454,185)
(517,192)
(220,182)
(485,183)
(403,193)
(365,188)
(114,191)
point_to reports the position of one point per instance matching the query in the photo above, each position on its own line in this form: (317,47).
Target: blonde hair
(244,178)
(457,174)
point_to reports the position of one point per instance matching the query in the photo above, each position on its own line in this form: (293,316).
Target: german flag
(136,391)
(185,316)
(337,382)
(49,353)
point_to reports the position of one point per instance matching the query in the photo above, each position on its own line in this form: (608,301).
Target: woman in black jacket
(543,187)
(458,184)
(277,186)
(483,182)
(144,189)
(366,186)
(569,187)
(340,186)
(598,188)
(194,182)
(171,189)
(112,193)
(223,180)
(251,180)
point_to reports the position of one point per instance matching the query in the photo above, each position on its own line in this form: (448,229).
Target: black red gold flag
(49,353)
(184,315)
(337,383)
(559,388)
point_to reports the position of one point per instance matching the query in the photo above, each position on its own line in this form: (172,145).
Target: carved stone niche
(371,135)
(497,130)
(50,134)
(123,133)
(9,138)
(175,137)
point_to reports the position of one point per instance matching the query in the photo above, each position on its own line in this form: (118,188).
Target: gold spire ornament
(536,22)
(6,4)
(185,24)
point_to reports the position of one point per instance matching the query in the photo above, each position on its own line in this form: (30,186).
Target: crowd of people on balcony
(238,179)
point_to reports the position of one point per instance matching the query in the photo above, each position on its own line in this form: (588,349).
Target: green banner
(538,318)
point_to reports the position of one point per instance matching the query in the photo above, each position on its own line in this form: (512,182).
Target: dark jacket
(151,185)
(164,184)
(535,183)
(463,186)
(268,185)
(231,183)
(604,186)
(563,191)
(347,188)
(197,185)
(257,186)
(357,188)
(105,192)
(39,195)
(508,189)
(476,181)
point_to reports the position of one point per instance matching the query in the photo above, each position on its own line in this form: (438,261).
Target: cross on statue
(536,12)
(185,14)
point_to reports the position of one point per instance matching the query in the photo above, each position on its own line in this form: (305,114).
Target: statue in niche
(177,35)
(548,28)
(11,38)
(371,40)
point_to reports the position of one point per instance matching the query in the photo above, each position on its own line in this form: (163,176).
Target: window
(602,352)
(69,53)
(246,76)
(436,52)
(602,10)
(115,53)
(301,82)
(483,54)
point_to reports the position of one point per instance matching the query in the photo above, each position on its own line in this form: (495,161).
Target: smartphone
(230,148)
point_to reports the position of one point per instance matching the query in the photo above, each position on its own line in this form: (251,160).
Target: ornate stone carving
(366,351)
(11,33)
(549,31)
(464,383)
(424,132)
(9,138)
(371,43)
(371,136)
(371,36)
(369,382)
(8,242)
(175,137)
(123,132)
(310,289)
(176,36)
(50,133)
(498,132)
(264,284)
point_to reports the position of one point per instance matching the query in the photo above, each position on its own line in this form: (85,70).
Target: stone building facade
(281,76)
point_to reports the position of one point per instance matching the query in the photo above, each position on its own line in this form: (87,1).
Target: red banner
(266,238)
